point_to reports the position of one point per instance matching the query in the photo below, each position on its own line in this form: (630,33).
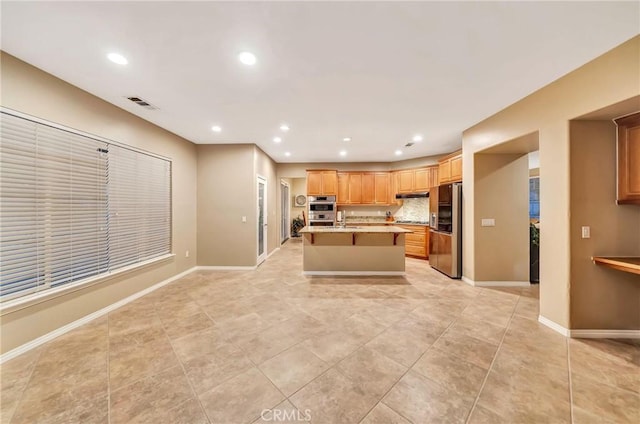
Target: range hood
(412,195)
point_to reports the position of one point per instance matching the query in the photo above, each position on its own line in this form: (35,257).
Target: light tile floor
(222,347)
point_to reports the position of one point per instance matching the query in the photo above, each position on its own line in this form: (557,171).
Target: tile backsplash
(411,210)
(414,209)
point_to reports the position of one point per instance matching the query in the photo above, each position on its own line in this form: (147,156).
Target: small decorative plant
(296,226)
(534,233)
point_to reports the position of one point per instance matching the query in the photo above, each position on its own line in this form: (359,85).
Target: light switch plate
(586,232)
(488,222)
(244,219)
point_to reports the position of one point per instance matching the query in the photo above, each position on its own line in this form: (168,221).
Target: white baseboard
(77,323)
(226,268)
(496,283)
(605,334)
(590,334)
(353,273)
(553,325)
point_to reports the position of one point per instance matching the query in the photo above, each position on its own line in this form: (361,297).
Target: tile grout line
(334,364)
(35,363)
(184,371)
(495,356)
(409,369)
(109,368)
(571,413)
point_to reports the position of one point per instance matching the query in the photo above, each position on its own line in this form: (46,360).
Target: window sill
(16,304)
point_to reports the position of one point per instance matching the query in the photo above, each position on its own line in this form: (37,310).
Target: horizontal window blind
(73,207)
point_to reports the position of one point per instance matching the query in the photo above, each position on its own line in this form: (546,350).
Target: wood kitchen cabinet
(415,180)
(393,189)
(416,243)
(421,179)
(355,188)
(322,183)
(343,188)
(405,180)
(364,188)
(368,188)
(629,159)
(382,183)
(450,168)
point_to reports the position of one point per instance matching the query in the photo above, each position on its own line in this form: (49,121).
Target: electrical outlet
(586,232)
(186,254)
(488,222)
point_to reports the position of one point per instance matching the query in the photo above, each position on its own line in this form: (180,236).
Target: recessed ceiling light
(343,153)
(117,58)
(284,127)
(346,139)
(417,138)
(216,128)
(398,152)
(287,154)
(247,58)
(277,139)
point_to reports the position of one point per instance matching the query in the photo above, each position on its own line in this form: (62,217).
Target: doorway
(505,228)
(534,217)
(285,207)
(262,220)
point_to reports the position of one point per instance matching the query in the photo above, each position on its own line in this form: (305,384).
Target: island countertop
(354,229)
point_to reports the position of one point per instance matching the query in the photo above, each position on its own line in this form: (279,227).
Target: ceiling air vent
(145,104)
(409,144)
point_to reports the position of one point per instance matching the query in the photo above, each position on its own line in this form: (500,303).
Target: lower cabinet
(416,242)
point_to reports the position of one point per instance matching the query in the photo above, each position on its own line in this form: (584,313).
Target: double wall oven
(322,210)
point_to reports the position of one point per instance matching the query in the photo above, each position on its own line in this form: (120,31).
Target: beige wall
(606,80)
(226,193)
(502,193)
(29,90)
(298,186)
(600,297)
(299,170)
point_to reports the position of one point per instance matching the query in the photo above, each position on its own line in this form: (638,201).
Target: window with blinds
(73,207)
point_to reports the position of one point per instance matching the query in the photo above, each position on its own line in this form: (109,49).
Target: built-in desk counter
(625,264)
(354,250)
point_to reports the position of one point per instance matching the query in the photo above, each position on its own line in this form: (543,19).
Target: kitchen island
(353,250)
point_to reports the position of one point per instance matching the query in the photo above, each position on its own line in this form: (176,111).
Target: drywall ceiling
(378,73)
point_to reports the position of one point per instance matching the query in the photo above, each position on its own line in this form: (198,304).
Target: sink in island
(353,250)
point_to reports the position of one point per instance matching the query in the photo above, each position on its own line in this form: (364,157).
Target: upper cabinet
(382,186)
(414,180)
(343,188)
(370,188)
(629,159)
(405,180)
(364,188)
(450,168)
(322,183)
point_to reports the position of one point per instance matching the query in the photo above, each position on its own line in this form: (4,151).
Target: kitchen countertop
(354,222)
(353,229)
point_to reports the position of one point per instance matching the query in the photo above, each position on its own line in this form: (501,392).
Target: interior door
(284,216)
(262,220)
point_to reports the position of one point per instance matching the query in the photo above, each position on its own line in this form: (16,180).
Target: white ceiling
(376,72)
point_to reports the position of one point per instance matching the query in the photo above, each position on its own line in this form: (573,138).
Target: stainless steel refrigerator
(445,234)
